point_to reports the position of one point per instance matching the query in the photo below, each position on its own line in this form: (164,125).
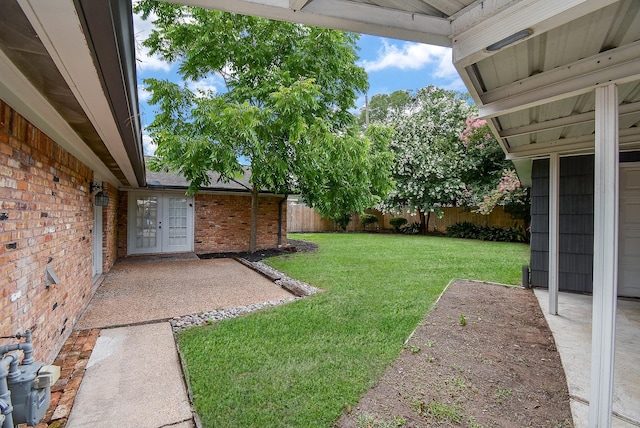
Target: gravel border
(299,290)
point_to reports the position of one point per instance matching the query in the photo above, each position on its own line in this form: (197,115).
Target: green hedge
(486,233)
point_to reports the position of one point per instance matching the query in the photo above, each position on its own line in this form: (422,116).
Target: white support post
(554,231)
(605,257)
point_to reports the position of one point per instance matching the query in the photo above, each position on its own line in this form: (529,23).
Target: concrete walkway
(571,330)
(133,378)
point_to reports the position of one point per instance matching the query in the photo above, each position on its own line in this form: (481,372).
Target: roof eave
(106,98)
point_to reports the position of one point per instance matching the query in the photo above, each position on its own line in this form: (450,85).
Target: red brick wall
(222,223)
(110,227)
(46,215)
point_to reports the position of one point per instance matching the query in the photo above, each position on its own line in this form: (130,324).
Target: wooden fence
(301,218)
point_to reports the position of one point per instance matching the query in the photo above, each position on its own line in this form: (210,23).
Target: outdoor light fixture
(94,185)
(509,40)
(101,199)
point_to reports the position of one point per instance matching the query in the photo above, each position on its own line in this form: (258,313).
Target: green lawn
(301,364)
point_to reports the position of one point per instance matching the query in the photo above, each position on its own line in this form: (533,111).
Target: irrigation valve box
(31,392)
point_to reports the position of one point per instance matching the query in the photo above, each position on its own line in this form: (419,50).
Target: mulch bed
(483,357)
(293,246)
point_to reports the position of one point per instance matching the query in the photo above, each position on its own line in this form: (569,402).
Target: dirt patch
(483,357)
(293,246)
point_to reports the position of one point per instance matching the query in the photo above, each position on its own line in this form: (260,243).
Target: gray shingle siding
(576,223)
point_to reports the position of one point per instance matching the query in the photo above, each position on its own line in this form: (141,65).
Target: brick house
(553,79)
(69,129)
(162,218)
(69,136)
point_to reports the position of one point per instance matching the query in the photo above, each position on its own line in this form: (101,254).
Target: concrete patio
(571,330)
(133,376)
(147,289)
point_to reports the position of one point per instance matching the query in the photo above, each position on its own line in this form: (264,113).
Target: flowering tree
(444,156)
(483,162)
(492,180)
(429,158)
(508,191)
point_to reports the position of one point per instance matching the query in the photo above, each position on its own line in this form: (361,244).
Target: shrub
(397,223)
(367,219)
(411,228)
(486,233)
(343,221)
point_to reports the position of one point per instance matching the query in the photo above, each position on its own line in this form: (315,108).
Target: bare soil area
(483,357)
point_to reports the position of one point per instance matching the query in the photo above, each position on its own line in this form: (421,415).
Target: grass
(302,364)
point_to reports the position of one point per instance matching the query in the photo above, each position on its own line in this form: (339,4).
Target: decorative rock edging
(297,288)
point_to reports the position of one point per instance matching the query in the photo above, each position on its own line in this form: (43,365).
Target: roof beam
(342,15)
(620,65)
(488,22)
(628,138)
(448,7)
(298,4)
(582,118)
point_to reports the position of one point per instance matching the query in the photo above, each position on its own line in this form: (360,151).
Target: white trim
(490,21)
(343,15)
(554,231)
(618,65)
(296,5)
(24,98)
(576,119)
(605,256)
(59,29)
(628,139)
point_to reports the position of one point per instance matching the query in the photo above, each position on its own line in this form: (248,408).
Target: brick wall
(222,223)
(46,219)
(110,227)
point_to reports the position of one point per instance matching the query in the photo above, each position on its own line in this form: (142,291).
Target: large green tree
(284,109)
(383,106)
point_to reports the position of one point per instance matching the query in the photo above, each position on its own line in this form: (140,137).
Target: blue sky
(391,65)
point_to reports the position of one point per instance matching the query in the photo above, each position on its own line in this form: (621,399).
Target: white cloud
(148,146)
(445,68)
(142,29)
(409,56)
(446,71)
(415,57)
(206,85)
(143,94)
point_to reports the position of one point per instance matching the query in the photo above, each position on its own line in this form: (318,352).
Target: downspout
(283,200)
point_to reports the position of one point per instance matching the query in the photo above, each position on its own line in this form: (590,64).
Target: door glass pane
(146,222)
(177,221)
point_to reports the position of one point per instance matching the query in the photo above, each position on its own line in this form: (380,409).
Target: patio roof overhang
(69,68)
(530,65)
(553,78)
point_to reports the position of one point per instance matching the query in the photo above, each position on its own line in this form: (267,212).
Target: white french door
(160,223)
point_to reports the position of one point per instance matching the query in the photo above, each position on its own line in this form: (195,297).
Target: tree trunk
(254,220)
(424,222)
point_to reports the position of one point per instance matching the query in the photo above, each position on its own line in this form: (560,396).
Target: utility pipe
(6,407)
